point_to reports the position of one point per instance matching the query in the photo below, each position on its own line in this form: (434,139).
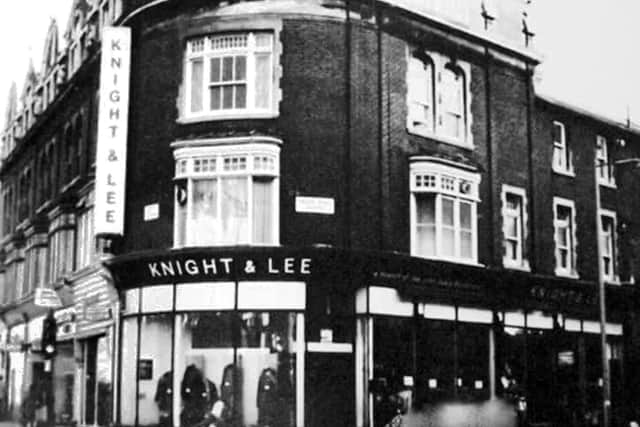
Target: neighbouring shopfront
(319,336)
(95,303)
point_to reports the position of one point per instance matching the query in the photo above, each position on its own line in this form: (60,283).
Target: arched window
(453,102)
(420,83)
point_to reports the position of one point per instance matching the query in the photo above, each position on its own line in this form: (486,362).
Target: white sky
(591,49)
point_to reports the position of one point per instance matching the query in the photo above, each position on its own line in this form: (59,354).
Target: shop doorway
(330,389)
(97,409)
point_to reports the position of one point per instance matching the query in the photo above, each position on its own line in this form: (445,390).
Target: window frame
(571,234)
(604,165)
(561,163)
(612,242)
(461,174)
(187,151)
(521,262)
(251,51)
(440,64)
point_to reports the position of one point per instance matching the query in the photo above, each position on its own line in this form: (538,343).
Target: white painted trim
(272,295)
(329,347)
(205,296)
(387,301)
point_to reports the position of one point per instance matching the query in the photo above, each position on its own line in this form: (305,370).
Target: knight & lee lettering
(225,266)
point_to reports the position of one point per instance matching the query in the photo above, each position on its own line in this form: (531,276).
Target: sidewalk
(9,424)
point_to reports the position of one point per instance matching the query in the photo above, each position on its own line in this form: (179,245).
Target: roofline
(526,54)
(620,125)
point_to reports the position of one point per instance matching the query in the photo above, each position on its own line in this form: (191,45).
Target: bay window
(226,195)
(230,74)
(443,211)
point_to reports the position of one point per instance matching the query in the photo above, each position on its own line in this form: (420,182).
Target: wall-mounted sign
(47,297)
(151,212)
(317,205)
(111,151)
(145,369)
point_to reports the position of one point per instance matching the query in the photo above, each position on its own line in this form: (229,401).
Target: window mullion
(438,222)
(250,223)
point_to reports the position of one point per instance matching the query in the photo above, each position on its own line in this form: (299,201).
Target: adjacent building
(317,213)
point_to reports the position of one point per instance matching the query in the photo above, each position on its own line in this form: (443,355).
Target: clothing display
(198,396)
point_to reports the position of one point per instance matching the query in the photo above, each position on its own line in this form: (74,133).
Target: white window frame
(608,245)
(186,152)
(571,269)
(604,165)
(430,175)
(440,63)
(202,48)
(520,262)
(562,158)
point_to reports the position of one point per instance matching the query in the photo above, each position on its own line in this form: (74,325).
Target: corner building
(334,212)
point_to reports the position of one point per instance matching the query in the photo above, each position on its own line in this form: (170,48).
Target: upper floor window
(604,165)
(607,236)
(230,75)
(564,222)
(514,227)
(85,238)
(443,211)
(227,194)
(438,98)
(562,158)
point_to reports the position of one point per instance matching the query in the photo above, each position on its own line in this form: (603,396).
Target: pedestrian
(29,403)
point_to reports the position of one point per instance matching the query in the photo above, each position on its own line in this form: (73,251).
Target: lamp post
(606,376)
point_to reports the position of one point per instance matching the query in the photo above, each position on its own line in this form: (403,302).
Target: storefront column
(492,364)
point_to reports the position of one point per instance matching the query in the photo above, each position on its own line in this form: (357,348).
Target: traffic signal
(49,331)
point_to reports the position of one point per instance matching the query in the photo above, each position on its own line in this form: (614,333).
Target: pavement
(9,424)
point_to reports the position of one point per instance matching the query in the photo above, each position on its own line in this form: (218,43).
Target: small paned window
(229,74)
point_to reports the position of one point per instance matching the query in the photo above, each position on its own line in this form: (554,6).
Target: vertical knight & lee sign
(111,152)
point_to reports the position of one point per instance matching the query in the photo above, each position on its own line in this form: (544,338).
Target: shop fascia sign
(111,151)
(203,267)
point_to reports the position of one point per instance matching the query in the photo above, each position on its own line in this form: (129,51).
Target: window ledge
(569,275)
(235,115)
(608,184)
(523,266)
(440,138)
(227,245)
(463,261)
(566,172)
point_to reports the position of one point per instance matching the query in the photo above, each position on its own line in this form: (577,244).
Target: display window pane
(266,390)
(435,362)
(204,368)
(128,370)
(63,382)
(393,364)
(472,379)
(569,353)
(541,399)
(155,388)
(510,363)
(234,210)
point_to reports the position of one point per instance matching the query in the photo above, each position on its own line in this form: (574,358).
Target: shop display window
(472,379)
(238,366)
